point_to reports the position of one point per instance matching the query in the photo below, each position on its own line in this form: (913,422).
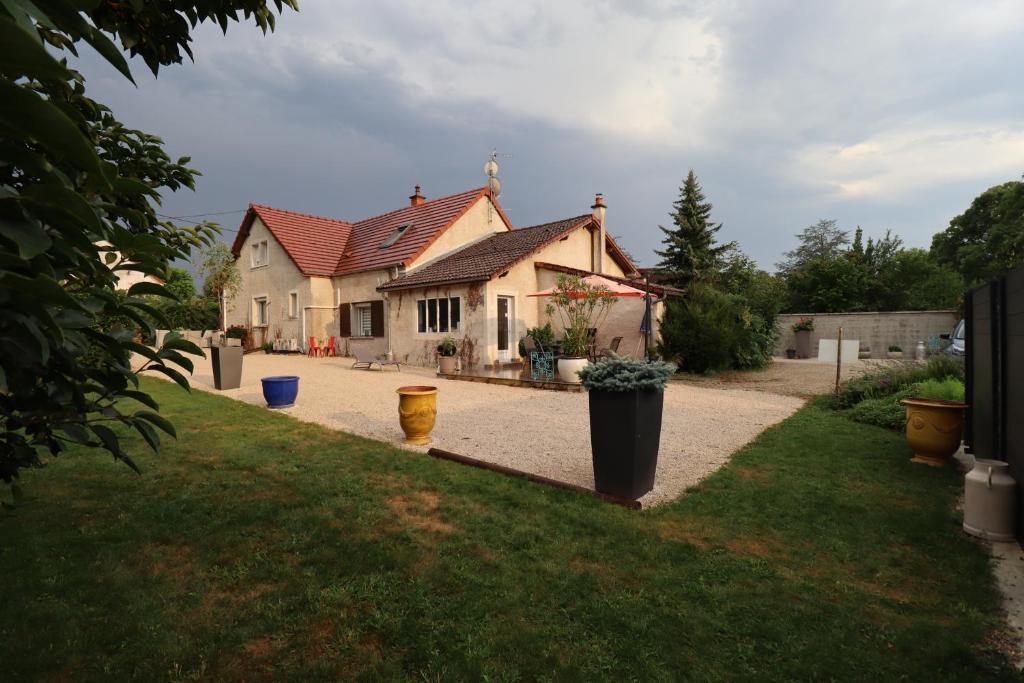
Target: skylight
(393,237)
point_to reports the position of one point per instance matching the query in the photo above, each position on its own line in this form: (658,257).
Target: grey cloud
(350,140)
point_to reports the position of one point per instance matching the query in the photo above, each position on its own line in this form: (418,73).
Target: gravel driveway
(537,431)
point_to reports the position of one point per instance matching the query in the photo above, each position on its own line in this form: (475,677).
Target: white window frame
(256,307)
(293,304)
(436,307)
(362,314)
(259,254)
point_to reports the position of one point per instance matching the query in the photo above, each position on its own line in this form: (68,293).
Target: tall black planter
(227,366)
(625,432)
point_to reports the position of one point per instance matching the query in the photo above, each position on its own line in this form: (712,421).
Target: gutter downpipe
(304,341)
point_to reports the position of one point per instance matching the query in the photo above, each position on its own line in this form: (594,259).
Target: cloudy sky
(887,114)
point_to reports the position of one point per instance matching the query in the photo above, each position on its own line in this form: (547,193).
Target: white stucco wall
(480,220)
(410,346)
(275,281)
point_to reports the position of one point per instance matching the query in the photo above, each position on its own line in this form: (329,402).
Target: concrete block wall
(875,330)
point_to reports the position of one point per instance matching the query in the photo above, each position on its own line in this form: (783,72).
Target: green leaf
(152,288)
(41,288)
(108,437)
(108,51)
(143,350)
(180,344)
(158,420)
(148,433)
(40,119)
(68,202)
(24,54)
(29,235)
(175,357)
(173,374)
(141,397)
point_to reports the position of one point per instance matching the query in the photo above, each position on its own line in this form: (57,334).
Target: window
(261,309)
(260,255)
(393,237)
(293,304)
(362,321)
(438,315)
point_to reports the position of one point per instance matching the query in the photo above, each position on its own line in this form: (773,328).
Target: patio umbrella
(645,324)
(614,288)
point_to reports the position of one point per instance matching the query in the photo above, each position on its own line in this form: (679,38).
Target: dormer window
(393,237)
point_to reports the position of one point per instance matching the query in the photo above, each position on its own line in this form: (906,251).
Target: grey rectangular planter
(227,367)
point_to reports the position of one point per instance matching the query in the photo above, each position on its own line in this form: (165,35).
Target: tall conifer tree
(691,253)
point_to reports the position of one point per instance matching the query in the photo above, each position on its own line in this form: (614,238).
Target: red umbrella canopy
(607,287)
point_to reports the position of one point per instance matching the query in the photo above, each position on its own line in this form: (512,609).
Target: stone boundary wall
(874,330)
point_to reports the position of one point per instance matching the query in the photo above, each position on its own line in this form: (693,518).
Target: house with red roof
(396,284)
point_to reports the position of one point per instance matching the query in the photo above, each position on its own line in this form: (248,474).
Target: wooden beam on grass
(536,478)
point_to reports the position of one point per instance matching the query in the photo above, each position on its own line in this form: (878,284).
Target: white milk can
(990,496)
(919,351)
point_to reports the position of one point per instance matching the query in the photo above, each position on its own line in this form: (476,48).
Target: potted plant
(447,351)
(626,398)
(581,306)
(895,351)
(803,330)
(236,335)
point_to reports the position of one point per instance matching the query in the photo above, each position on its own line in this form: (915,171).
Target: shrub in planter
(626,398)
(544,336)
(581,306)
(804,325)
(447,350)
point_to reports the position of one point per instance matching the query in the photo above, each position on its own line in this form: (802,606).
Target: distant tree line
(728,317)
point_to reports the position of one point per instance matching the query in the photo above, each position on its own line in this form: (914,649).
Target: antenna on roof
(491,169)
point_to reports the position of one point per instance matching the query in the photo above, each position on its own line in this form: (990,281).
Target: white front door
(506,327)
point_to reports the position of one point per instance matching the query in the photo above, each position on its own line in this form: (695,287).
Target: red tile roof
(326,246)
(314,243)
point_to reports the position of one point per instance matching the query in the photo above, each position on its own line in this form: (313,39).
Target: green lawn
(258,548)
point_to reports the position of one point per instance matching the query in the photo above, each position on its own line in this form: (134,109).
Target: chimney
(416,198)
(599,235)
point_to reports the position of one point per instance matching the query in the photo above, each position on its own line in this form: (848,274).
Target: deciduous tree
(987,238)
(78,189)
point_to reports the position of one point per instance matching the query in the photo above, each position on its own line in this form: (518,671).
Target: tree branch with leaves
(78,192)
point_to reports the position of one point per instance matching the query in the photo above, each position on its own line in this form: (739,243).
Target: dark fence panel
(980,371)
(994,319)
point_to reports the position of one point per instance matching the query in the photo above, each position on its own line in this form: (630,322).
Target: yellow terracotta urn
(934,429)
(417,409)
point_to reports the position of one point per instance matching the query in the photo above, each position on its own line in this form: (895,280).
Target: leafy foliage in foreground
(77,195)
(263,548)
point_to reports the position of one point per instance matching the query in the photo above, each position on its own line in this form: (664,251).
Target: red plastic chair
(329,349)
(314,348)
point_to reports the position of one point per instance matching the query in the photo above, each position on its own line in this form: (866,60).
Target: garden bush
(893,379)
(887,412)
(709,331)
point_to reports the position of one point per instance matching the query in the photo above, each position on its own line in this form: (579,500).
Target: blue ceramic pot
(280,392)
